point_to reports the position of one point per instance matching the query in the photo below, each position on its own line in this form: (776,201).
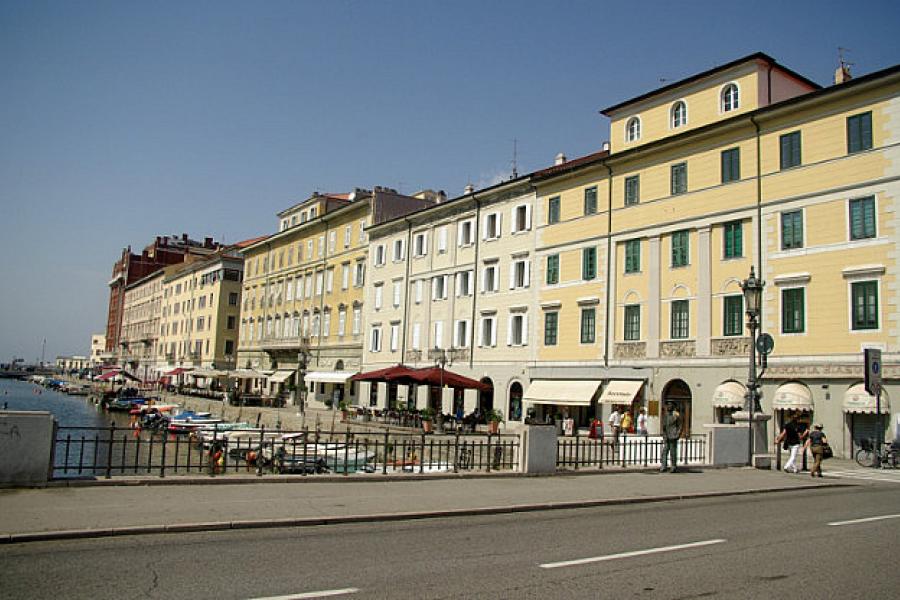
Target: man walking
(790,439)
(671,430)
(642,422)
(615,424)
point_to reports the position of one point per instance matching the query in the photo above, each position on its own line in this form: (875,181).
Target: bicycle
(870,456)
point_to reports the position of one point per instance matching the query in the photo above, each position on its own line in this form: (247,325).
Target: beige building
(304,292)
(99,355)
(137,351)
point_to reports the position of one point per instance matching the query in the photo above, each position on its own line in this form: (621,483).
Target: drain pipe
(477,201)
(609,271)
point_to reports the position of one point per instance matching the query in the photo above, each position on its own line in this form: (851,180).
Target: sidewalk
(201,504)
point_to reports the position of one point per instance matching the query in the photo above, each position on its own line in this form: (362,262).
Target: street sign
(873,370)
(765,344)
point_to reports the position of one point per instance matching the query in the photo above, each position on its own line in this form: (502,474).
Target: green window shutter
(590,201)
(679,248)
(632,190)
(790,150)
(791,230)
(553,211)
(865,305)
(733,240)
(680,325)
(679,178)
(793,311)
(731,165)
(733,311)
(632,256)
(862,218)
(551,324)
(632,323)
(859,132)
(588,263)
(553,269)
(588,326)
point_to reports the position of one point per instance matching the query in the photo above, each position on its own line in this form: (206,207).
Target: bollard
(162,460)
(112,433)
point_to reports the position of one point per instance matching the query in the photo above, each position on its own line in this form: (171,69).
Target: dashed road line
(864,520)
(319,594)
(594,559)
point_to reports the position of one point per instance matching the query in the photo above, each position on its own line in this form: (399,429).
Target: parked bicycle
(886,457)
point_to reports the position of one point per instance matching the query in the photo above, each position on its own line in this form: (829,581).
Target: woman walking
(816,444)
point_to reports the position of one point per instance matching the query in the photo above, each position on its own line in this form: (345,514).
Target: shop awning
(858,400)
(107,376)
(329,376)
(178,371)
(281,376)
(245,374)
(620,391)
(793,396)
(562,392)
(208,373)
(729,395)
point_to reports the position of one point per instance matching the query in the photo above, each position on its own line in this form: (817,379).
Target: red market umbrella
(438,376)
(387,374)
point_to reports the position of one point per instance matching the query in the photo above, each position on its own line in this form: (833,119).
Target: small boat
(335,456)
(188,421)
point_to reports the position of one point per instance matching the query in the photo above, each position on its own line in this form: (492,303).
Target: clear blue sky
(123,120)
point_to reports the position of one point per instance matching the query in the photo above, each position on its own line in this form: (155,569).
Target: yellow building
(745,165)
(304,293)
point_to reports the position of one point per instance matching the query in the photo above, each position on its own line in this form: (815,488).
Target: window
(321,246)
(439,288)
(490,278)
(329,280)
(488,331)
(359,274)
(679,114)
(326,323)
(199,323)
(521,218)
(590,200)
(551,326)
(320,282)
(231,322)
(464,233)
(362,231)
(792,310)
(312,212)
(519,274)
(345,276)
(492,226)
(461,334)
(733,233)
(464,283)
(733,310)
(375,339)
(633,129)
(442,240)
(731,165)
(348,233)
(379,255)
(730,98)
(395,336)
(419,286)
(342,322)
(588,325)
(517,328)
(633,256)
(289,290)
(332,241)
(588,263)
(862,218)
(420,244)
(553,210)
(680,248)
(379,295)
(790,149)
(438,334)
(229,347)
(859,132)
(632,322)
(398,287)
(680,319)
(553,269)
(417,336)
(632,190)
(679,178)
(792,230)
(864,295)
(309,249)
(357,320)
(399,253)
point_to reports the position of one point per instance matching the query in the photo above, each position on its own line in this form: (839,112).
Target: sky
(124,120)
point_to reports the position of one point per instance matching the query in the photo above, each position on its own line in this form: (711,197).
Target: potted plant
(494,417)
(342,406)
(427,415)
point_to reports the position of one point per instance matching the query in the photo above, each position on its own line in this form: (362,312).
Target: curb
(18,538)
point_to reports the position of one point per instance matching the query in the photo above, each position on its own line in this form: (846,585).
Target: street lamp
(752,288)
(302,358)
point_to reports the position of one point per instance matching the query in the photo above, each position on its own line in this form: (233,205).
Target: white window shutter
(509,330)
(527,273)
(525,329)
(424,243)
(484,227)
(493,332)
(442,239)
(458,278)
(484,275)
(434,288)
(527,216)
(480,332)
(459,233)
(512,221)
(417,336)
(512,276)
(499,224)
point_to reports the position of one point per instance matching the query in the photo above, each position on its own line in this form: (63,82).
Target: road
(778,545)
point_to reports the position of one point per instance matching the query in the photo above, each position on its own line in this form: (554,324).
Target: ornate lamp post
(302,361)
(752,288)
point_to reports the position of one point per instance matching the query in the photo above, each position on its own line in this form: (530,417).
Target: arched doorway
(678,392)
(515,402)
(486,397)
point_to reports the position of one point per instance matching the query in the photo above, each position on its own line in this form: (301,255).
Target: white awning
(329,376)
(208,373)
(245,374)
(619,391)
(793,396)
(562,392)
(729,395)
(858,400)
(281,376)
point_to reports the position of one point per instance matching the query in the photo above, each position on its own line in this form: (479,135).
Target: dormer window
(730,98)
(633,129)
(679,114)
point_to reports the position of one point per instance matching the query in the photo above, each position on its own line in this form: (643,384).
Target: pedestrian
(671,430)
(789,438)
(615,424)
(816,442)
(626,421)
(642,422)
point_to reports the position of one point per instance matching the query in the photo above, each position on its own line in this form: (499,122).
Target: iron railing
(123,451)
(627,451)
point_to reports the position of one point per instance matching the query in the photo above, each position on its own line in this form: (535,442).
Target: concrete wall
(728,444)
(26,447)
(539,449)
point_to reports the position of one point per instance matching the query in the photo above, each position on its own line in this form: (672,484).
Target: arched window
(633,130)
(731,99)
(679,114)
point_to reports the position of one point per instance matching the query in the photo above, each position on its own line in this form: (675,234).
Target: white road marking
(321,594)
(584,561)
(866,520)
(886,476)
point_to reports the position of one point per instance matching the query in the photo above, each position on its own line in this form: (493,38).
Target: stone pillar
(538,449)
(762,459)
(26,447)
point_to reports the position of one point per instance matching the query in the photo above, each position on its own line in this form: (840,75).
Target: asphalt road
(766,546)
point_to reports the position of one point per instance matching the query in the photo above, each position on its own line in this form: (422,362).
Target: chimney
(605,146)
(560,159)
(842,74)
(441,197)
(469,188)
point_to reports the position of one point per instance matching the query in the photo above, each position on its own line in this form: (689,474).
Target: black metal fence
(122,451)
(625,451)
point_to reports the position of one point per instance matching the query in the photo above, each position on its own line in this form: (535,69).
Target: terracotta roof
(336,196)
(571,164)
(249,242)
